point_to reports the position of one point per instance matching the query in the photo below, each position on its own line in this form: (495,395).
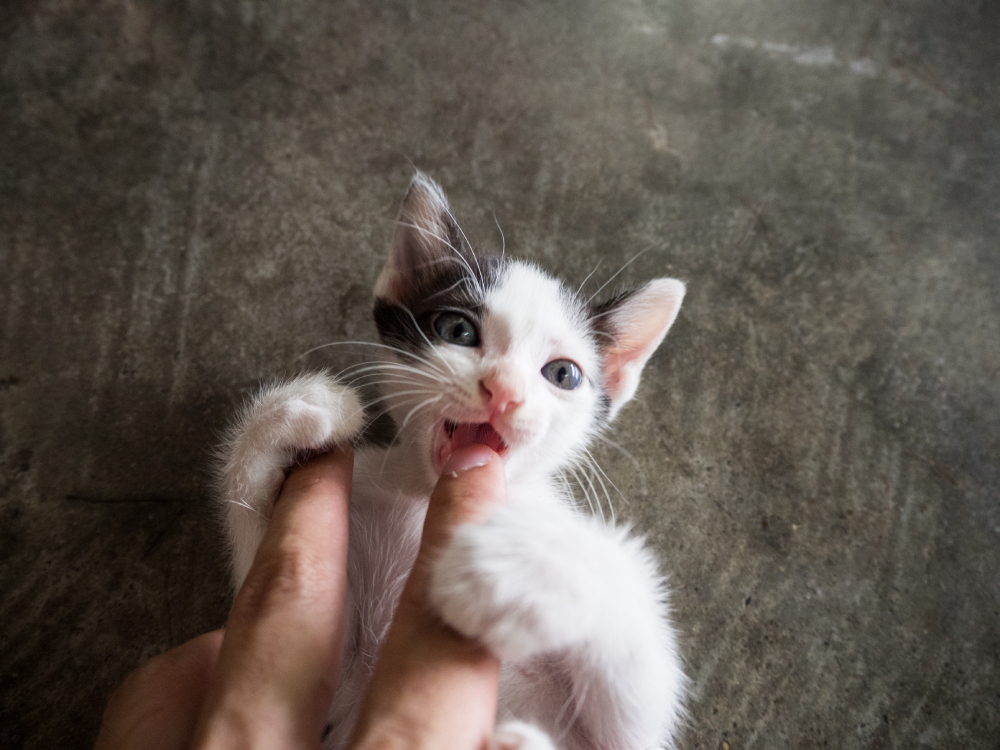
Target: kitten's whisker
(579,701)
(597,466)
(503,240)
(380,399)
(580,288)
(468,245)
(614,339)
(463,280)
(468,276)
(416,408)
(458,253)
(629,262)
(583,489)
(405,357)
(597,499)
(424,336)
(575,699)
(630,457)
(366,367)
(368,404)
(248,507)
(476,283)
(370,420)
(367,370)
(440,261)
(588,489)
(428,232)
(570,493)
(360,371)
(402,402)
(401,352)
(566,488)
(598,472)
(400,381)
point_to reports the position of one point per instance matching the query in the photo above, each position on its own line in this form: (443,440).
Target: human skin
(267,679)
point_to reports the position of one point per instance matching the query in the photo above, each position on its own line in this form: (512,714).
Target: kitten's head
(495,351)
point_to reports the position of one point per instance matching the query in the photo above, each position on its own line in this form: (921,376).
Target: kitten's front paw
(513,590)
(310,413)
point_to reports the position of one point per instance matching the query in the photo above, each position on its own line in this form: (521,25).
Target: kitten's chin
(451,436)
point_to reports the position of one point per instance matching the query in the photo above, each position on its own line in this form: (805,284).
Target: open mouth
(458,435)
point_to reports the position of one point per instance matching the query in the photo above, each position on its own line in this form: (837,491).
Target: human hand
(267,680)
(432,687)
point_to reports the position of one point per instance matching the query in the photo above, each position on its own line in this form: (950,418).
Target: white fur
(519,735)
(576,608)
(311,412)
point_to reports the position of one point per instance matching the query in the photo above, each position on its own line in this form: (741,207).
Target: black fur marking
(603,408)
(455,284)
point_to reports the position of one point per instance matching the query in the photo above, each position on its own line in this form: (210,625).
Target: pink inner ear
(624,359)
(639,324)
(616,363)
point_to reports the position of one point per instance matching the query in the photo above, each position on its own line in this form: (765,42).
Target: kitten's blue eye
(456,329)
(563,373)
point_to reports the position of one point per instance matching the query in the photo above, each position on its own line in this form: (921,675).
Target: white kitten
(491,351)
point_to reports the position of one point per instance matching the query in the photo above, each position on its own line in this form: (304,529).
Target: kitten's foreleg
(310,412)
(543,580)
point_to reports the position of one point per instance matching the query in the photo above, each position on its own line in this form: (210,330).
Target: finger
(432,687)
(156,707)
(471,484)
(284,638)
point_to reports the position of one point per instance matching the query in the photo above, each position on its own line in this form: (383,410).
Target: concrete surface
(193,194)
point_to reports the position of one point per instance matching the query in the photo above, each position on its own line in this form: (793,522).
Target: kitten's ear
(635,324)
(426,235)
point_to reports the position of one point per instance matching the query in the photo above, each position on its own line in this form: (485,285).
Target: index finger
(280,656)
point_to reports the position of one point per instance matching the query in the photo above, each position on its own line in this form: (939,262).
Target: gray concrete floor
(193,194)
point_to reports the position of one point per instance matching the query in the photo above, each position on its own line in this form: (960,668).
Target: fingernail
(463,459)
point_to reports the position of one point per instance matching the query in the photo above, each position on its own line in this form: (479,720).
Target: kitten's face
(513,366)
(499,353)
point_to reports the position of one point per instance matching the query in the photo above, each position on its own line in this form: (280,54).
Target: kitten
(494,351)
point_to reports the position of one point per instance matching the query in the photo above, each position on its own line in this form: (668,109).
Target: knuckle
(304,481)
(287,574)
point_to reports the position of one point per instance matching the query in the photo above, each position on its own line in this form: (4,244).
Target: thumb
(472,483)
(432,687)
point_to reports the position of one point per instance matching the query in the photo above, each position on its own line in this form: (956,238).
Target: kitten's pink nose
(500,396)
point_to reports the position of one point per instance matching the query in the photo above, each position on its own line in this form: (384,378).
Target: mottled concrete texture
(193,194)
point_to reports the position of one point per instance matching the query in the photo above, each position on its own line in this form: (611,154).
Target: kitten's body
(574,607)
